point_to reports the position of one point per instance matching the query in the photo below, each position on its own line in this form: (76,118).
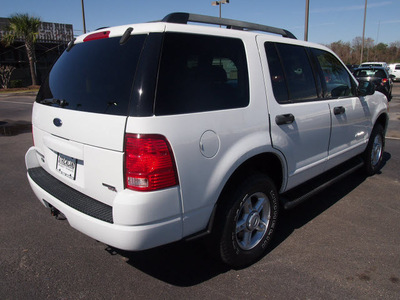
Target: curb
(18,93)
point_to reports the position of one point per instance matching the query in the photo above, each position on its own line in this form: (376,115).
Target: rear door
(299,121)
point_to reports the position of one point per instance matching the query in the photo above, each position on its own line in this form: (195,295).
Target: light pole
(306,25)
(362,45)
(219,3)
(83,16)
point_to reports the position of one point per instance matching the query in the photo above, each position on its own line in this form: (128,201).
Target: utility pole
(83,16)
(306,25)
(363,36)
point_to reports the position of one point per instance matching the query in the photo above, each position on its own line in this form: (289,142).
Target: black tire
(373,155)
(248,219)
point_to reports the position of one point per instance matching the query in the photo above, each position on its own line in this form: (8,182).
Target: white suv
(151,133)
(375,64)
(394,69)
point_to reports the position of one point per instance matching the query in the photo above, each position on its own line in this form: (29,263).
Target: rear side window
(201,73)
(336,80)
(291,73)
(94,76)
(277,75)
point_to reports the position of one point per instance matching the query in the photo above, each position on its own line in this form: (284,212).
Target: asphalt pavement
(344,243)
(16,112)
(394,113)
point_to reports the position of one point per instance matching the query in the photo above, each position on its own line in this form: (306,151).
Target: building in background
(52,40)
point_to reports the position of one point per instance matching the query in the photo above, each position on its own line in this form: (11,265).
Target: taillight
(97,36)
(384,80)
(149,163)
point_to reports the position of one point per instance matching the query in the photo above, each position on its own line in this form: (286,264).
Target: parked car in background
(375,64)
(394,69)
(378,76)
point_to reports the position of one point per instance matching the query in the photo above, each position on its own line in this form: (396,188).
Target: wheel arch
(267,163)
(382,120)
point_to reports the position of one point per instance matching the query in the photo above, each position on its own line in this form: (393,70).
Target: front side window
(201,73)
(336,80)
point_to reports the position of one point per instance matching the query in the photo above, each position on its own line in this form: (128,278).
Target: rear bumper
(105,223)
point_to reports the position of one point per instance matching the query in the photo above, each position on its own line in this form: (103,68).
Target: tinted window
(201,73)
(291,73)
(380,73)
(277,76)
(336,80)
(95,76)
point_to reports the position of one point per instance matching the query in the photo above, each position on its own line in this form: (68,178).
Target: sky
(329,20)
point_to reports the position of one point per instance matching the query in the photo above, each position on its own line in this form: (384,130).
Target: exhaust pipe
(57,214)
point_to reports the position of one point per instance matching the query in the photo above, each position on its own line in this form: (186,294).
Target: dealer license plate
(66,165)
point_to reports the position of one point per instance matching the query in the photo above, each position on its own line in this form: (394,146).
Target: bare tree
(350,53)
(5,75)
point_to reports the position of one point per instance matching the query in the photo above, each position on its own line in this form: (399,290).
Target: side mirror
(391,76)
(365,88)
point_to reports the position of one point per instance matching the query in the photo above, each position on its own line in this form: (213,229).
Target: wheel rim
(376,152)
(253,220)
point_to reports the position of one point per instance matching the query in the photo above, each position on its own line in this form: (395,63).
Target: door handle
(284,119)
(339,110)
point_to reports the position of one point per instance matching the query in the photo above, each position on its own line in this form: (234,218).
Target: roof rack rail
(184,18)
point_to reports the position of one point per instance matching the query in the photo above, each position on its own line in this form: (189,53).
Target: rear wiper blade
(59,102)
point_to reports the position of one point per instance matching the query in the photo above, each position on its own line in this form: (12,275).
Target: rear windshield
(370,73)
(371,65)
(95,76)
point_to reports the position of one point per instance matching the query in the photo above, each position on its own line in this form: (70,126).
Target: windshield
(95,76)
(370,73)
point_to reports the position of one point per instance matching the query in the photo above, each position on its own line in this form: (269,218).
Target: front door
(350,114)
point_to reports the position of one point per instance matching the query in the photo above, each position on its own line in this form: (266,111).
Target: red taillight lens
(384,80)
(97,36)
(149,163)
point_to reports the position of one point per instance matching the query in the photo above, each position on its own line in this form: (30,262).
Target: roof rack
(184,18)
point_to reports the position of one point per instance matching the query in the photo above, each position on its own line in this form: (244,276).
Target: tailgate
(85,152)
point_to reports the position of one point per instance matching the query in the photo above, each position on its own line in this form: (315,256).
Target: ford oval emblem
(57,122)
